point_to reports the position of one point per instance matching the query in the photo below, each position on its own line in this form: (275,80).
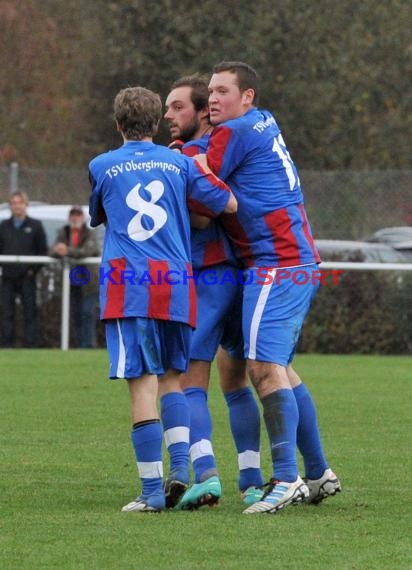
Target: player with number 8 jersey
(144,189)
(141,193)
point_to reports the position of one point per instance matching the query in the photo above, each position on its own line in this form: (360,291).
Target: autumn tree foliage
(335,74)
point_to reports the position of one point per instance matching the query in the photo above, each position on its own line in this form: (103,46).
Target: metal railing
(68,263)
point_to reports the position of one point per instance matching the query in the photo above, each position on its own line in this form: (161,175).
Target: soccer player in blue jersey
(140,192)
(272,234)
(218,321)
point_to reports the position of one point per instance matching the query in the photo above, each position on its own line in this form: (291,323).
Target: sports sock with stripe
(201,450)
(244,419)
(147,444)
(174,411)
(281,416)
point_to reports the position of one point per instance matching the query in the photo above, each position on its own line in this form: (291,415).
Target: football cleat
(252,495)
(206,493)
(280,494)
(175,485)
(147,503)
(319,489)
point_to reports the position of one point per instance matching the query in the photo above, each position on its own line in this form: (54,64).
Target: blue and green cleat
(200,494)
(252,495)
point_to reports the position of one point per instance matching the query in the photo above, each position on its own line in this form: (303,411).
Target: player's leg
(321,480)
(173,344)
(146,436)
(127,340)
(135,355)
(273,317)
(175,414)
(244,419)
(213,304)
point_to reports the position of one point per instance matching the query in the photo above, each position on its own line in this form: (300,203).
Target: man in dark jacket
(75,240)
(20,235)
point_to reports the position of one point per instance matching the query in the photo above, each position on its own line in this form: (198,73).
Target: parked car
(346,250)
(398,237)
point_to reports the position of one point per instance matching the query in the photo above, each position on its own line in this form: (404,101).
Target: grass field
(67,468)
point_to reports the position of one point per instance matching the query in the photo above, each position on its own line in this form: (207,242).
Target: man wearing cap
(75,240)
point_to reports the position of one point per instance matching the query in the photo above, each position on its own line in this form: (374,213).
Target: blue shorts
(274,308)
(139,346)
(219,313)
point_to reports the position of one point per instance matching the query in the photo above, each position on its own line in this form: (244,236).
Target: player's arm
(96,210)
(208,195)
(225,151)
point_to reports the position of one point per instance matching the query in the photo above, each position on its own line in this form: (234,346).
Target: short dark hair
(247,77)
(137,111)
(199,89)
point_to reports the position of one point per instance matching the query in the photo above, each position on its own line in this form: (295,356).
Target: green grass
(67,468)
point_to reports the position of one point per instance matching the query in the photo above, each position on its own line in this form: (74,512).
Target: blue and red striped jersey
(210,246)
(141,192)
(270,227)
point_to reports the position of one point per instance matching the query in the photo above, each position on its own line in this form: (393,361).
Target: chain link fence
(341,204)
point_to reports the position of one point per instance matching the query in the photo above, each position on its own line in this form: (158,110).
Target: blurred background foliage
(335,74)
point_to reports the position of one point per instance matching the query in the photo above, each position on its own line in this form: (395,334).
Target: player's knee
(267,377)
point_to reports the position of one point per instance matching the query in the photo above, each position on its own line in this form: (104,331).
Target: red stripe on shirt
(214,253)
(198,208)
(160,291)
(115,291)
(218,141)
(307,233)
(191,150)
(237,234)
(192,297)
(285,244)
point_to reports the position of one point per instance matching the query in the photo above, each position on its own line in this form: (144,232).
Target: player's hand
(176,145)
(199,222)
(202,160)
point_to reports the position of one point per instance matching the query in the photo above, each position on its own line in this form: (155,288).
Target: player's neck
(202,131)
(144,139)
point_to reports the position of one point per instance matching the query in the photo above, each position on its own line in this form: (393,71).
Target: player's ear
(118,127)
(204,113)
(247,96)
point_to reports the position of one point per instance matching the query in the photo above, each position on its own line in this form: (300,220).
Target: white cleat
(280,494)
(146,504)
(319,489)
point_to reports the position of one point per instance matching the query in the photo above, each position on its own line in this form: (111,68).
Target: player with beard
(218,322)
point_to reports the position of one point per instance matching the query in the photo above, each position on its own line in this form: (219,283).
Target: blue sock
(308,436)
(147,443)
(175,414)
(281,416)
(244,421)
(201,450)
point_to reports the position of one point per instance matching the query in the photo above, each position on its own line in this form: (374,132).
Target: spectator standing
(75,240)
(20,235)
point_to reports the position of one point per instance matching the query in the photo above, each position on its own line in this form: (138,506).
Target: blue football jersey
(211,245)
(270,227)
(141,192)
